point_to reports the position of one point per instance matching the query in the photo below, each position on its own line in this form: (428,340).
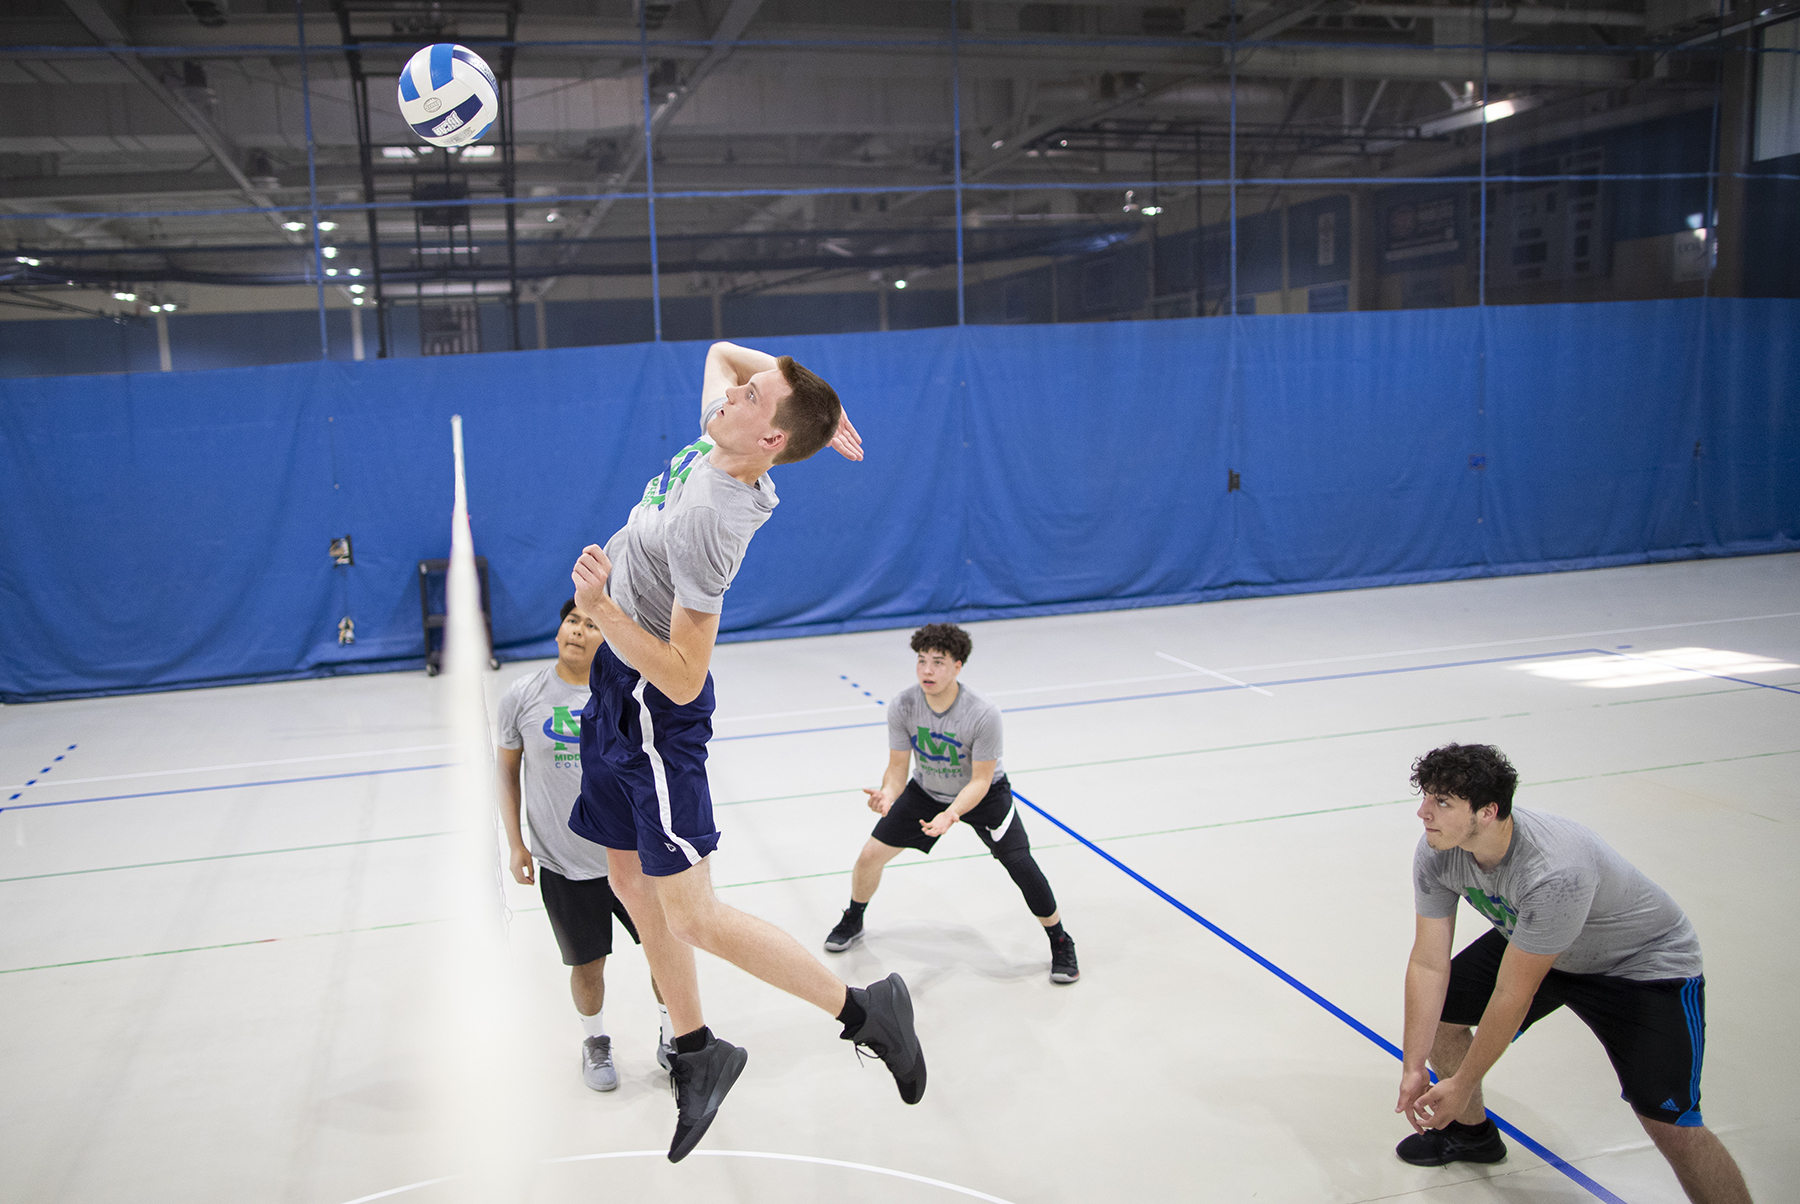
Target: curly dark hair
(1478,772)
(946,638)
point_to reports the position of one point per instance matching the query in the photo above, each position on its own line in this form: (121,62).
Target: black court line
(1524,1139)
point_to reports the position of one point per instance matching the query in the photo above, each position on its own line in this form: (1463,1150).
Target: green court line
(1066,844)
(1615,773)
(267,940)
(776,798)
(303,848)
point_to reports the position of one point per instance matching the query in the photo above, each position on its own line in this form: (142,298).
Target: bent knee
(691,925)
(875,854)
(631,889)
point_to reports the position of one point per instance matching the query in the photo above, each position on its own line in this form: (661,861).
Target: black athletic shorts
(581,912)
(994,819)
(1654,1032)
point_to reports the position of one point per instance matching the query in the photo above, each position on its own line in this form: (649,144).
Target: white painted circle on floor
(807,1158)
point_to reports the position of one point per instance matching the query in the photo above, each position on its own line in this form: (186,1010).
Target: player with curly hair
(1572,924)
(954,735)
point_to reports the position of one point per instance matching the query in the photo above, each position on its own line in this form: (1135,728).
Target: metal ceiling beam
(731,27)
(96,18)
(1522,15)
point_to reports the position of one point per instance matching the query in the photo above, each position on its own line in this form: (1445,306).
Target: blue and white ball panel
(448,95)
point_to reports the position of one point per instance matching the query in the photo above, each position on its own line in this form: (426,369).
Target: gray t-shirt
(541,714)
(945,747)
(1561,889)
(685,540)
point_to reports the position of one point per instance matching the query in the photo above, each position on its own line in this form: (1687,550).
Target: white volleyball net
(482,1115)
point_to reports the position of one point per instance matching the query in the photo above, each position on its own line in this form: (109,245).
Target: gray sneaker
(597,1064)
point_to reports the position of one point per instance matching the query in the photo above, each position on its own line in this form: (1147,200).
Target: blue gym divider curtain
(163,530)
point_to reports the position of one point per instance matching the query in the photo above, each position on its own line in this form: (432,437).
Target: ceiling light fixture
(329,252)
(396,152)
(356,288)
(356,271)
(327,226)
(294,226)
(899,284)
(331,271)
(124,296)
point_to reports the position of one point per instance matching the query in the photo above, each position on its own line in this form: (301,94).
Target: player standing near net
(540,761)
(656,592)
(1573,923)
(955,736)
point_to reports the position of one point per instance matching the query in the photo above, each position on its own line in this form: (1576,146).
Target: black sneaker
(887,1032)
(1063,966)
(1462,1143)
(700,1081)
(849,931)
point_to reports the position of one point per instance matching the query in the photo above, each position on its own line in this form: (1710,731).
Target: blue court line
(1505,1126)
(323,777)
(1742,681)
(1289,681)
(46,769)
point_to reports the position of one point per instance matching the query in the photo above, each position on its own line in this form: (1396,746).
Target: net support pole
(1231,154)
(1481,229)
(1714,154)
(650,176)
(956,155)
(312,178)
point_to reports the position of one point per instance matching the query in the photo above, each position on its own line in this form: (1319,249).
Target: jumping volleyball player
(656,591)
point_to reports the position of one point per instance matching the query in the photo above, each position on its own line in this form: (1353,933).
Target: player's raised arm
(728,365)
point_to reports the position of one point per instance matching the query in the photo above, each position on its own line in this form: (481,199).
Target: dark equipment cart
(434,581)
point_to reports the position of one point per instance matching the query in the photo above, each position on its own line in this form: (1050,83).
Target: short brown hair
(809,415)
(946,638)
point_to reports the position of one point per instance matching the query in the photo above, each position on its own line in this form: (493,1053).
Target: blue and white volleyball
(448,95)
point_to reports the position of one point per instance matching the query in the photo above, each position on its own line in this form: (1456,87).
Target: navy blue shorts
(643,770)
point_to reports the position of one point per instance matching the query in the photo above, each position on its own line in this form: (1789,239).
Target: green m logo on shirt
(1498,911)
(563,728)
(941,748)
